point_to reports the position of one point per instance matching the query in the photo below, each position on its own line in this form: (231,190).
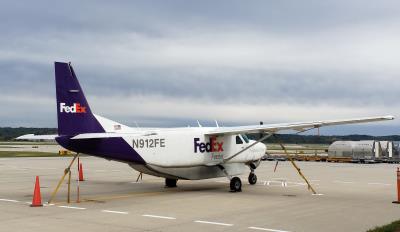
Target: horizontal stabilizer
(107,135)
(36,137)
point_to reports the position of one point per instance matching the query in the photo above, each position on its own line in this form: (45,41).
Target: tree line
(10,133)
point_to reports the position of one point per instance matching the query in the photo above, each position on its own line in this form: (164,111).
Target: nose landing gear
(252,178)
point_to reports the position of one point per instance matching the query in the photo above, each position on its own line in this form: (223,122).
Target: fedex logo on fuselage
(212,146)
(76,108)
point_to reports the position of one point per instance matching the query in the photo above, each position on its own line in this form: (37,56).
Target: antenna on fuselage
(198,123)
(261,134)
(137,125)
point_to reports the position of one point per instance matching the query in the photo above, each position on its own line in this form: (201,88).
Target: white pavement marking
(156,216)
(214,223)
(111,211)
(343,182)
(70,207)
(269,182)
(9,200)
(282,183)
(266,229)
(380,184)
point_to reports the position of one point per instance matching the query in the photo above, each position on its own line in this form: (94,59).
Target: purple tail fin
(73,111)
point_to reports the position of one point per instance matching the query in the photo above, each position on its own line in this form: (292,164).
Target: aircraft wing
(86,135)
(36,137)
(300,126)
(105,135)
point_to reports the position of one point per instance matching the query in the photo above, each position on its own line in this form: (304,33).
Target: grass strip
(392,227)
(4,154)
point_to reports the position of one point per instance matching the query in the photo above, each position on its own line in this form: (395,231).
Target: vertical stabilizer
(73,112)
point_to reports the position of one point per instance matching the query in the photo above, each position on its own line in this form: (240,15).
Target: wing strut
(67,171)
(238,153)
(295,166)
(140,176)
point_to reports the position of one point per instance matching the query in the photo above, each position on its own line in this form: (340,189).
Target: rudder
(73,112)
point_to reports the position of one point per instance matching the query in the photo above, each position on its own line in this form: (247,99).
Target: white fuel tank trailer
(386,148)
(365,150)
(357,150)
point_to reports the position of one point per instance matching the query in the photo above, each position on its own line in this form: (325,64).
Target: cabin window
(238,140)
(245,138)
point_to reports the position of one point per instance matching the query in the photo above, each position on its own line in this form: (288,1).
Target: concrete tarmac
(354,197)
(31,147)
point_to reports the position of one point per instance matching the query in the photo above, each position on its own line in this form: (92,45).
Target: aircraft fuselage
(183,153)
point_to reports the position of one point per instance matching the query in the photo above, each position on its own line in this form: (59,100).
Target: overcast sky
(169,63)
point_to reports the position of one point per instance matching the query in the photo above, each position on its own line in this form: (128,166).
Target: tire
(170,183)
(252,178)
(236,184)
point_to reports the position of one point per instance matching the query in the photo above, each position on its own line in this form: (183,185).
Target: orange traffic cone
(37,198)
(398,187)
(81,172)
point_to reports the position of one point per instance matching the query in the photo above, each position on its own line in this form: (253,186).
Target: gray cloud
(329,58)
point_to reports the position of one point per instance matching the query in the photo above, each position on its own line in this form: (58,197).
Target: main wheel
(170,183)
(236,184)
(252,178)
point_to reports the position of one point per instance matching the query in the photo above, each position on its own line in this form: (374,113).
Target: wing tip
(389,117)
(22,137)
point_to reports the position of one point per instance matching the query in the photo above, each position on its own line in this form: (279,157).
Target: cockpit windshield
(245,138)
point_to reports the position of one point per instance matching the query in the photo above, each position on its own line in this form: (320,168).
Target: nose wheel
(236,184)
(252,178)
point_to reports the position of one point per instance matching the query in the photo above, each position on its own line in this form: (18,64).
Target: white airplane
(171,153)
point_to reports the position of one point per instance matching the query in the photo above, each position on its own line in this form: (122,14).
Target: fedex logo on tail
(212,146)
(76,108)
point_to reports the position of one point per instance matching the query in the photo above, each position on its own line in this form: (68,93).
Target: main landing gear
(170,183)
(236,184)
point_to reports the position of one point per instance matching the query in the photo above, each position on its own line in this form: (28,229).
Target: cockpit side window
(245,138)
(238,140)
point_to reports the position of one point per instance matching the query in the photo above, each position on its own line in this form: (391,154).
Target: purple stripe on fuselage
(110,148)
